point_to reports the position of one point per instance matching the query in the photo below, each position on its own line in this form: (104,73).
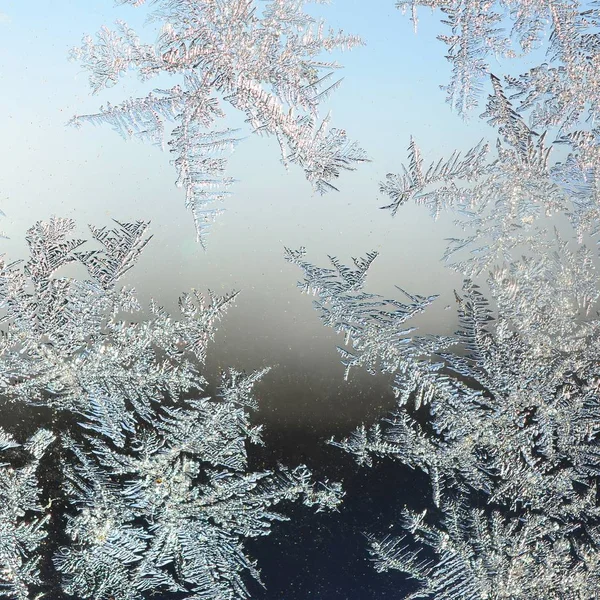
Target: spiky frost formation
(147,493)
(503,416)
(262,58)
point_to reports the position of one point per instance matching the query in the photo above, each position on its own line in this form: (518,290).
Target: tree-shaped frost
(21,529)
(502,417)
(145,493)
(478,31)
(505,204)
(510,443)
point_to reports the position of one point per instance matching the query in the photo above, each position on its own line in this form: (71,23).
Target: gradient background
(391,90)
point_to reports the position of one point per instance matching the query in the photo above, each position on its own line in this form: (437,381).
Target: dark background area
(325,555)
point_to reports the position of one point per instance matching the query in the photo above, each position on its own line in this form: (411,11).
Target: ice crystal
(261,58)
(512,427)
(505,203)
(503,416)
(23,522)
(490,556)
(560,92)
(154,491)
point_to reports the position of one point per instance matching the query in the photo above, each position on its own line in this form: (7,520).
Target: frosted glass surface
(299,300)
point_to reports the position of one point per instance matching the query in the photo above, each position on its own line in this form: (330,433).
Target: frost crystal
(261,58)
(503,416)
(23,520)
(506,203)
(559,92)
(152,493)
(512,429)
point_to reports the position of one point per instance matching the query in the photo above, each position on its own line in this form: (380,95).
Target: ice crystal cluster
(502,416)
(482,30)
(139,483)
(262,58)
(138,486)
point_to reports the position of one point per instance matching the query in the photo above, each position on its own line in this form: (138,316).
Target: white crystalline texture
(479,31)
(263,58)
(23,519)
(154,493)
(509,434)
(513,423)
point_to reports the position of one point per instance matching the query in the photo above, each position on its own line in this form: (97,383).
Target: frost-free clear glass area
(358,358)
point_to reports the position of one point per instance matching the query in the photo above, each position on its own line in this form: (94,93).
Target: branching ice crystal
(144,493)
(560,92)
(261,58)
(490,556)
(506,203)
(513,405)
(509,434)
(23,521)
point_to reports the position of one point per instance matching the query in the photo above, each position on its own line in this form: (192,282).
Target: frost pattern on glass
(503,416)
(23,519)
(262,58)
(480,30)
(489,556)
(374,326)
(506,204)
(510,444)
(152,493)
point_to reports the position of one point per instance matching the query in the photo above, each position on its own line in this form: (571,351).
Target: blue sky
(390,91)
